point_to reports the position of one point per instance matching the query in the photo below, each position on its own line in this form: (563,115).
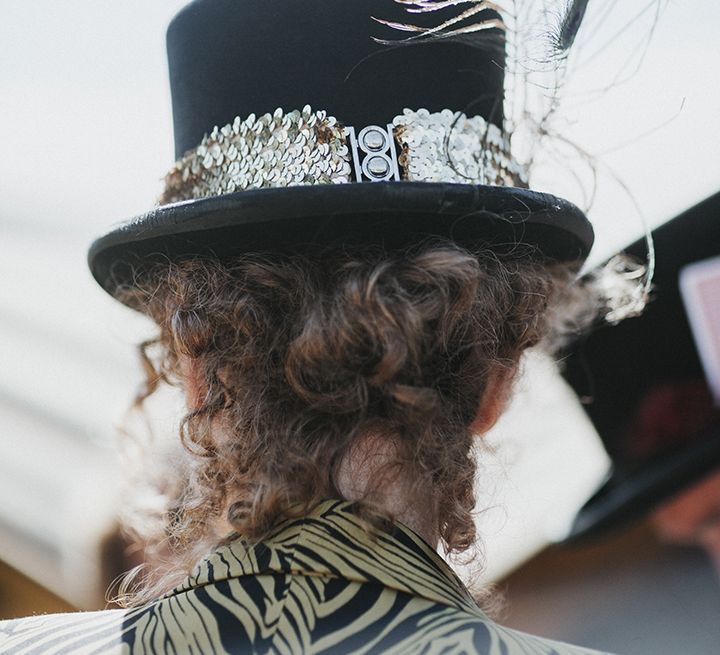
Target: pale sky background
(85,112)
(86,132)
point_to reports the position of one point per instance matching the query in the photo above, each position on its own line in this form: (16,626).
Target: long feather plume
(537,37)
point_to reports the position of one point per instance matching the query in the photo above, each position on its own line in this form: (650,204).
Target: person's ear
(494,400)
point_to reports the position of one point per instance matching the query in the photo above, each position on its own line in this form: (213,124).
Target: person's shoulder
(112,632)
(534,644)
(482,636)
(67,633)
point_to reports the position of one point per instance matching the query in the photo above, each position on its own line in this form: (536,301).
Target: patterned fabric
(319,584)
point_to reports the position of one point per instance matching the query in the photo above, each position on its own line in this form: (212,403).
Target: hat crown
(290,133)
(230,58)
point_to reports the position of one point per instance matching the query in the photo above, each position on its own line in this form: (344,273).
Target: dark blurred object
(643,386)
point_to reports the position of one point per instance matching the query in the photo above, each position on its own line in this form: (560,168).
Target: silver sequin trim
(448,146)
(274,150)
(307,147)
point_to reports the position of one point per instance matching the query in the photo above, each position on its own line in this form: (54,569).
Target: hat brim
(389,213)
(627,497)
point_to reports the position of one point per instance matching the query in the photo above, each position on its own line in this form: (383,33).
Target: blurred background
(86,129)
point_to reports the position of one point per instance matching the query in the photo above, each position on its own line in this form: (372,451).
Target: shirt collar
(331,541)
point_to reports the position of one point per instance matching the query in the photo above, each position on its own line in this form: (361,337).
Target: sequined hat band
(307,147)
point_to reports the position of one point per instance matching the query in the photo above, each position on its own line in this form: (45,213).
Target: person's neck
(368,472)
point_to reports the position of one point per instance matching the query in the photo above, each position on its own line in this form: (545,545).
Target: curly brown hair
(300,355)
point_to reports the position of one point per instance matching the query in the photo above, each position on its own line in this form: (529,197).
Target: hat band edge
(306,147)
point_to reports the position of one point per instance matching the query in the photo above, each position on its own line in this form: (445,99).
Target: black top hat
(645,386)
(323,134)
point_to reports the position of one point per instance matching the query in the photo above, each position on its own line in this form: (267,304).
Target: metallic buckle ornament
(374,153)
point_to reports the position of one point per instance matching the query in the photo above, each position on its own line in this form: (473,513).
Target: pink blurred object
(700,288)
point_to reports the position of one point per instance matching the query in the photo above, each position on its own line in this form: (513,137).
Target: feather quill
(569,26)
(443,30)
(424,6)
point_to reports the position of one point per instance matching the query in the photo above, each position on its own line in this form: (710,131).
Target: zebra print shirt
(319,584)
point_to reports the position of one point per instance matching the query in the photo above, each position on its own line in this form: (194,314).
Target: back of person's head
(294,359)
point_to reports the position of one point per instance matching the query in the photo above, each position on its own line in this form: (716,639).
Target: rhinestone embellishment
(378,167)
(309,147)
(374,139)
